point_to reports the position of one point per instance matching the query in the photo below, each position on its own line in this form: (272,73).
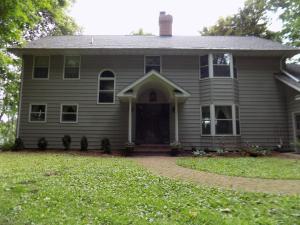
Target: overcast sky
(125,16)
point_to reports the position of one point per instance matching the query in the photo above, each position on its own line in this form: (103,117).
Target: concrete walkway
(166,166)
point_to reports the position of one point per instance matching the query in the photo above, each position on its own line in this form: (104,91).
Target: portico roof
(132,90)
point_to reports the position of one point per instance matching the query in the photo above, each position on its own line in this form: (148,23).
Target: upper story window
(69,113)
(204,66)
(41,67)
(218,65)
(72,67)
(37,113)
(106,91)
(221,65)
(152,63)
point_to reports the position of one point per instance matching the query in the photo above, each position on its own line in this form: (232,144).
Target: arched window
(106,89)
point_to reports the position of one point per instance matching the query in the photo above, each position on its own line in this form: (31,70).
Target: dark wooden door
(152,124)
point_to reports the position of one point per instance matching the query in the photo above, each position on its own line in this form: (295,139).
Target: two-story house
(196,90)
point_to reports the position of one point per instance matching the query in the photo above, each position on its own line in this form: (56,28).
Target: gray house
(156,90)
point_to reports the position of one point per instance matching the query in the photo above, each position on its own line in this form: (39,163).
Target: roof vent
(165,24)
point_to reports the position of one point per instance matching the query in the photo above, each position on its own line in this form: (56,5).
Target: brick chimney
(165,24)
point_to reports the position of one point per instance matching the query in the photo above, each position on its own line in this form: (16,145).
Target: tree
(251,20)
(20,21)
(140,32)
(290,16)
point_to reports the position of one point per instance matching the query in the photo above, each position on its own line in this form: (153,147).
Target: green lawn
(273,168)
(65,189)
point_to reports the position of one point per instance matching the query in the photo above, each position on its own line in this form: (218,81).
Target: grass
(66,189)
(269,168)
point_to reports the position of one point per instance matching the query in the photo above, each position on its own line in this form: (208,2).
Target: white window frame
(211,66)
(61,112)
(64,78)
(160,62)
(114,90)
(213,120)
(33,66)
(30,111)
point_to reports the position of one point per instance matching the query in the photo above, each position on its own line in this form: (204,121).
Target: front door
(297,129)
(152,124)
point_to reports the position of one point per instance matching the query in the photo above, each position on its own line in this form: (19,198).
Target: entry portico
(155,97)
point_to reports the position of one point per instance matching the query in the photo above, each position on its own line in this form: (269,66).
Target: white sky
(125,16)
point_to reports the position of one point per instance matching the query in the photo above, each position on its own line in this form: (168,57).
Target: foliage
(128,149)
(175,148)
(251,20)
(256,150)
(267,167)
(66,140)
(66,189)
(84,144)
(19,144)
(42,143)
(7,146)
(290,16)
(22,21)
(140,32)
(199,152)
(105,145)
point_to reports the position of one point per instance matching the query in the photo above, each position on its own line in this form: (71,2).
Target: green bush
(105,145)
(42,143)
(66,140)
(19,144)
(84,144)
(8,146)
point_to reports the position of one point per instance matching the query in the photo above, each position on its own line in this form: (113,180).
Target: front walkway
(166,166)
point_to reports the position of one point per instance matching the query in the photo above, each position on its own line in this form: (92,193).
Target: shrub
(19,144)
(8,146)
(84,144)
(128,150)
(256,150)
(42,143)
(105,145)
(66,140)
(199,152)
(175,148)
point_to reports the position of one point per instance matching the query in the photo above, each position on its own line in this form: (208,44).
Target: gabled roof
(131,90)
(243,43)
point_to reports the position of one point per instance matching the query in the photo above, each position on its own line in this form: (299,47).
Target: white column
(176,121)
(130,121)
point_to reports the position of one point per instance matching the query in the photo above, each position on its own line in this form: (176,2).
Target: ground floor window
(69,113)
(37,112)
(220,120)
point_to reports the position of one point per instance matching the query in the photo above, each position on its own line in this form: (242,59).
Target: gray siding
(263,111)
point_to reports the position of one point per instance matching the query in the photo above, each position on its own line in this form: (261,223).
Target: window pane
(106,97)
(224,127)
(221,71)
(107,74)
(234,68)
(41,61)
(204,72)
(37,117)
(238,127)
(204,60)
(237,112)
(153,60)
(69,108)
(206,126)
(40,72)
(221,59)
(223,112)
(72,61)
(149,68)
(38,108)
(106,85)
(205,113)
(71,72)
(69,117)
